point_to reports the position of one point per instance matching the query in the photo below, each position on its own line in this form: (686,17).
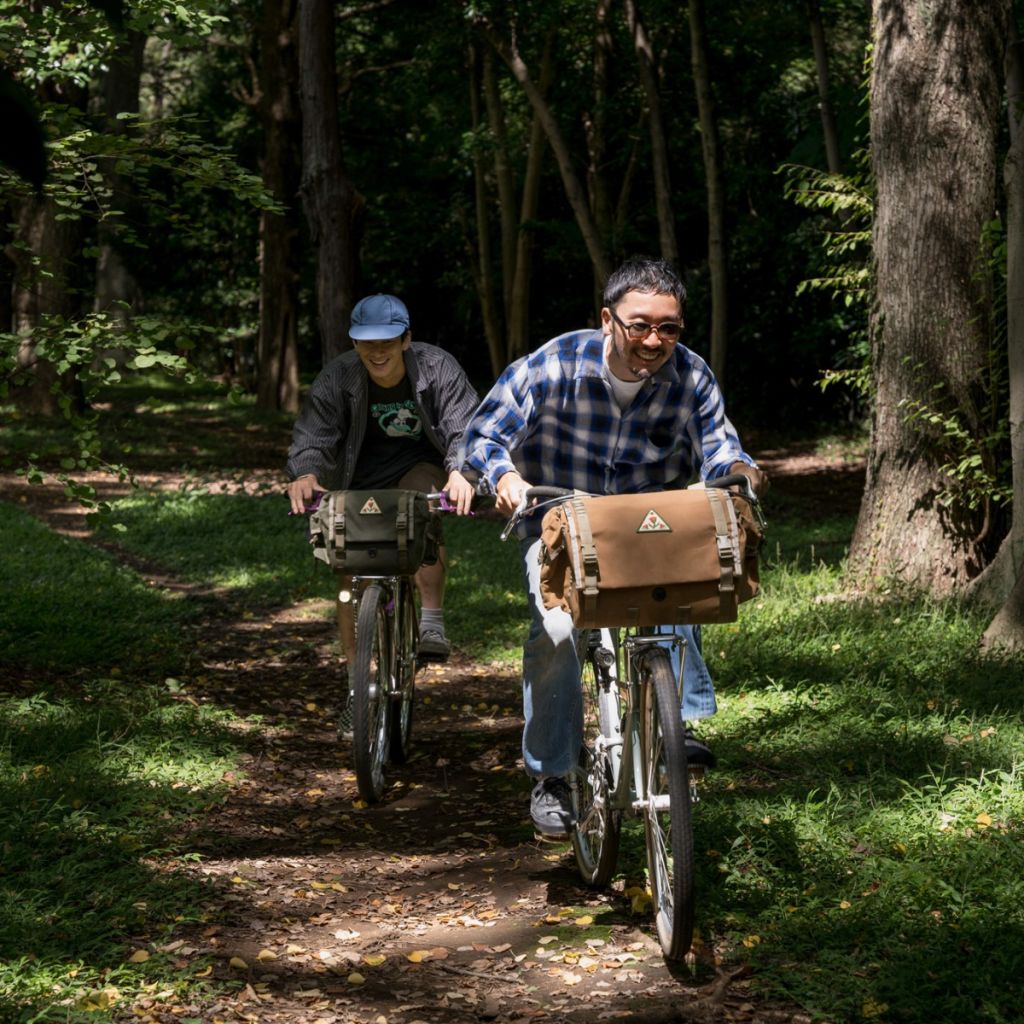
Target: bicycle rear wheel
(403,695)
(370,680)
(595,839)
(667,822)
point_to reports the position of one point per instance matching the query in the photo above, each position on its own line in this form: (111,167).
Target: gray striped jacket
(330,429)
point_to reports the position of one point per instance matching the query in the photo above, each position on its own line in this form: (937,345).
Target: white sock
(432,618)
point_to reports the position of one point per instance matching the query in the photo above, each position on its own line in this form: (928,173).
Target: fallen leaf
(417,956)
(266,954)
(355,978)
(584,922)
(140,956)
(983,820)
(374,959)
(239,963)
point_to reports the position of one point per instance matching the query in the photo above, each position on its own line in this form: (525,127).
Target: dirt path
(437,906)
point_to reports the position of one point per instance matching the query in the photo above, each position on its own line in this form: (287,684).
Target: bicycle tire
(403,695)
(370,680)
(595,837)
(667,819)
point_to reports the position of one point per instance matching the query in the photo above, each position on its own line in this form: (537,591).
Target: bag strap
(726,551)
(403,527)
(588,555)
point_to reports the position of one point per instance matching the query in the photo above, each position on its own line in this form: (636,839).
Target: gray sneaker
(433,645)
(551,808)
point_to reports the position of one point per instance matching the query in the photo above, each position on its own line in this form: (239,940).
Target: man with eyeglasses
(390,413)
(617,410)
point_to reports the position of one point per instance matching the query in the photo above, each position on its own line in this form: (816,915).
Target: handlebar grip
(548,492)
(733,480)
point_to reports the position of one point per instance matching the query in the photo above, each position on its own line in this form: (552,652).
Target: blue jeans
(552,701)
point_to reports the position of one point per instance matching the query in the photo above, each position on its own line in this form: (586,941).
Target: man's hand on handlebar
(510,490)
(758,479)
(301,490)
(460,493)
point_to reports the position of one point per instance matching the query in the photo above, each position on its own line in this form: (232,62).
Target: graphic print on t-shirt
(397,419)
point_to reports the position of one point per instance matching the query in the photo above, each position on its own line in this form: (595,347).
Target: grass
(95,783)
(860,846)
(66,607)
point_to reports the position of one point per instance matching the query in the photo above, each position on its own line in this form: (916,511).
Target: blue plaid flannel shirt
(551,417)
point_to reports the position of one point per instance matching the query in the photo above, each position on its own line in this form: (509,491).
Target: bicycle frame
(623,747)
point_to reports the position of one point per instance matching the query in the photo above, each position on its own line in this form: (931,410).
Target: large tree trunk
(659,143)
(502,176)
(828,118)
(280,251)
(935,95)
(1006,575)
(712,151)
(334,208)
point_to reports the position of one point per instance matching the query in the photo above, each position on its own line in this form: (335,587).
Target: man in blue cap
(390,413)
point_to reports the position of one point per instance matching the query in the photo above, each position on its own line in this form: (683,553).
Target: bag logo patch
(371,508)
(653,523)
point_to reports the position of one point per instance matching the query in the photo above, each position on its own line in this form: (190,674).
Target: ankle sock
(432,618)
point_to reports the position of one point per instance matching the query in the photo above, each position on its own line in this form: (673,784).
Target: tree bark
(117,291)
(483,265)
(659,144)
(1006,585)
(828,118)
(574,190)
(41,291)
(280,250)
(712,152)
(518,314)
(334,208)
(935,96)
(502,176)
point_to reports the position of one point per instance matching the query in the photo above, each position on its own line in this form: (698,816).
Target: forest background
(202,191)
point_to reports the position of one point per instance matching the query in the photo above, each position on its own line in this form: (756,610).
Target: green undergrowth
(98,783)
(860,844)
(66,606)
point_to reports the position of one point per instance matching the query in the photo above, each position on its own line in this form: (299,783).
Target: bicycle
(382,670)
(633,755)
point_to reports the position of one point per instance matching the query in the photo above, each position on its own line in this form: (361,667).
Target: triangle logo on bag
(653,523)
(371,508)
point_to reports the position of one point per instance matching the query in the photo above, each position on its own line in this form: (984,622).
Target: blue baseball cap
(378,317)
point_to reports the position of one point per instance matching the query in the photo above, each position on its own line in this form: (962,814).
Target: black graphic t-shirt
(395,440)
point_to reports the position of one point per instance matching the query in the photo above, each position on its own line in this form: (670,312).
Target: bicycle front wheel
(403,695)
(370,680)
(666,811)
(595,839)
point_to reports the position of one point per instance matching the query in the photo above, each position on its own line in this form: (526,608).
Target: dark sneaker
(551,808)
(433,646)
(345,707)
(698,752)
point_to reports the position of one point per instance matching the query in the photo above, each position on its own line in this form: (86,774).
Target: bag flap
(650,539)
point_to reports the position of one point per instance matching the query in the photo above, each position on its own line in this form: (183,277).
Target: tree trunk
(334,208)
(280,251)
(828,118)
(41,291)
(574,190)
(935,97)
(502,176)
(518,313)
(659,144)
(117,292)
(1007,586)
(712,151)
(483,264)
